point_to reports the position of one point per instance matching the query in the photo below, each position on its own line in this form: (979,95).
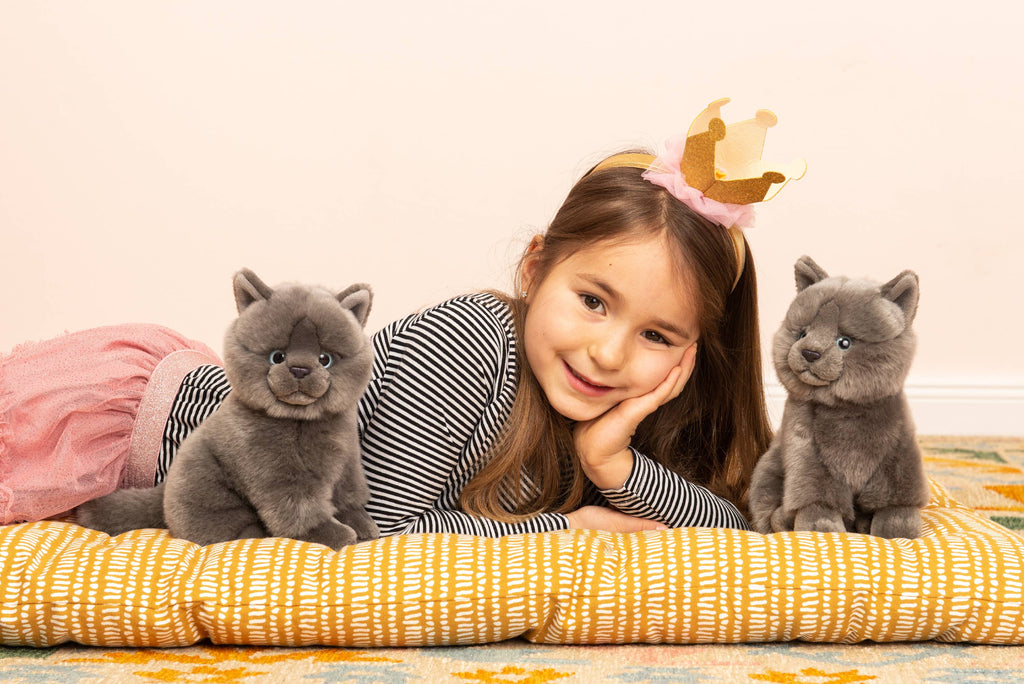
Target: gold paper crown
(724,161)
(724,164)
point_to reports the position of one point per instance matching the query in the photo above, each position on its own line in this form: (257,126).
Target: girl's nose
(608,351)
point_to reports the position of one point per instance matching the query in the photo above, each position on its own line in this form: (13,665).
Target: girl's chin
(578,412)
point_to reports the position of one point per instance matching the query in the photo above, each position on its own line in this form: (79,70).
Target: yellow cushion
(962,581)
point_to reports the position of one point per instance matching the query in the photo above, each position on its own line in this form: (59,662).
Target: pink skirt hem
(84,414)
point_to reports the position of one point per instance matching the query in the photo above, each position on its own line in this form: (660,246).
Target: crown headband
(717,171)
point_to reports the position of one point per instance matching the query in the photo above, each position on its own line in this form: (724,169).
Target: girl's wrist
(612,472)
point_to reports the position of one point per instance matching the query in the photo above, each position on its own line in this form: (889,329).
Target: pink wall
(148,150)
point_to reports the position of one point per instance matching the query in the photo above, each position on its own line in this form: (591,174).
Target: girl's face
(606,324)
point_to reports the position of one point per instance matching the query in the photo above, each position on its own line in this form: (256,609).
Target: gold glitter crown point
(724,161)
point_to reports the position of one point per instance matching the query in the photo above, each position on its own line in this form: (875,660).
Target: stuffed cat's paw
(770,521)
(818,518)
(360,521)
(782,520)
(897,522)
(762,521)
(332,534)
(765,498)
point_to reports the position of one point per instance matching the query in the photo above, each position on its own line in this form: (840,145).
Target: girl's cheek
(654,370)
(668,363)
(561,327)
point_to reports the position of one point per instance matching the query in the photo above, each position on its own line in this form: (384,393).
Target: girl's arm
(653,491)
(457,522)
(597,514)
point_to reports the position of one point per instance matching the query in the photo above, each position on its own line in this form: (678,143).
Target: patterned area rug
(984,473)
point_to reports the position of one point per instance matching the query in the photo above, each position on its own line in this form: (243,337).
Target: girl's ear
(531,262)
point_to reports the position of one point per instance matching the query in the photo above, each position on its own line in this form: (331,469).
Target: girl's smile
(585,385)
(606,324)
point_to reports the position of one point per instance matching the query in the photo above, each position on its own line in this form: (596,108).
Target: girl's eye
(844,342)
(276,357)
(591,302)
(326,359)
(652,336)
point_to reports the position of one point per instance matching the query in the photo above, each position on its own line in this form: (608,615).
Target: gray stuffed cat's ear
(357,299)
(249,288)
(808,273)
(904,290)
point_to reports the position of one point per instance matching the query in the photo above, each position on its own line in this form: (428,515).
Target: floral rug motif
(986,474)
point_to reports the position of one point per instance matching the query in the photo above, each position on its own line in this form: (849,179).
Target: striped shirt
(444,381)
(199,395)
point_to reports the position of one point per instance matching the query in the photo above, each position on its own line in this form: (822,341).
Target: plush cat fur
(280,457)
(845,457)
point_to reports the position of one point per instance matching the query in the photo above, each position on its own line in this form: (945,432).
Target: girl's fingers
(611,520)
(677,378)
(687,364)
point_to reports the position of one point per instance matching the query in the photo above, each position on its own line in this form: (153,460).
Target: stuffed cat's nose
(808,354)
(298,371)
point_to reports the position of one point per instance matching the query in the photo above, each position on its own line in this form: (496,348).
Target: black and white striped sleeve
(655,492)
(443,386)
(200,394)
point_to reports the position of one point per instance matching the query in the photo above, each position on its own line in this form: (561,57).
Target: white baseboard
(942,407)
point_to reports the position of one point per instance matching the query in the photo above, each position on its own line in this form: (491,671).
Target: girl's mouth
(583,385)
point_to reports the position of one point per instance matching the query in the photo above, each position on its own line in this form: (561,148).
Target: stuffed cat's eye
(326,359)
(844,342)
(277,357)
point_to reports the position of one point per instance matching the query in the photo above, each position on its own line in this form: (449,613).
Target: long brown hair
(713,432)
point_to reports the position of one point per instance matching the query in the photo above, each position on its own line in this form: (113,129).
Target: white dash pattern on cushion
(962,581)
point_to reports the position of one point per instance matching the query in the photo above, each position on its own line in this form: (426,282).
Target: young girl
(620,390)
(627,372)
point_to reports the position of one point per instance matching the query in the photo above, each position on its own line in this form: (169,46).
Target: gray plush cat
(280,457)
(845,457)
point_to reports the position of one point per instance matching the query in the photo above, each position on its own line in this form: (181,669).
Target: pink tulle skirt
(84,414)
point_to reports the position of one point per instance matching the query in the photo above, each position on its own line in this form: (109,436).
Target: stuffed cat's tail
(123,510)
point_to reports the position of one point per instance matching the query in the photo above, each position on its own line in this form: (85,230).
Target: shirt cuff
(626,494)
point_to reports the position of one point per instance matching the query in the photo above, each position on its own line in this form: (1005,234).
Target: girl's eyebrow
(613,294)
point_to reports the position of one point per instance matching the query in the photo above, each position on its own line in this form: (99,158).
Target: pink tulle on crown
(666,172)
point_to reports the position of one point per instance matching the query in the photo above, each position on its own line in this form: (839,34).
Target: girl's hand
(609,520)
(602,444)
